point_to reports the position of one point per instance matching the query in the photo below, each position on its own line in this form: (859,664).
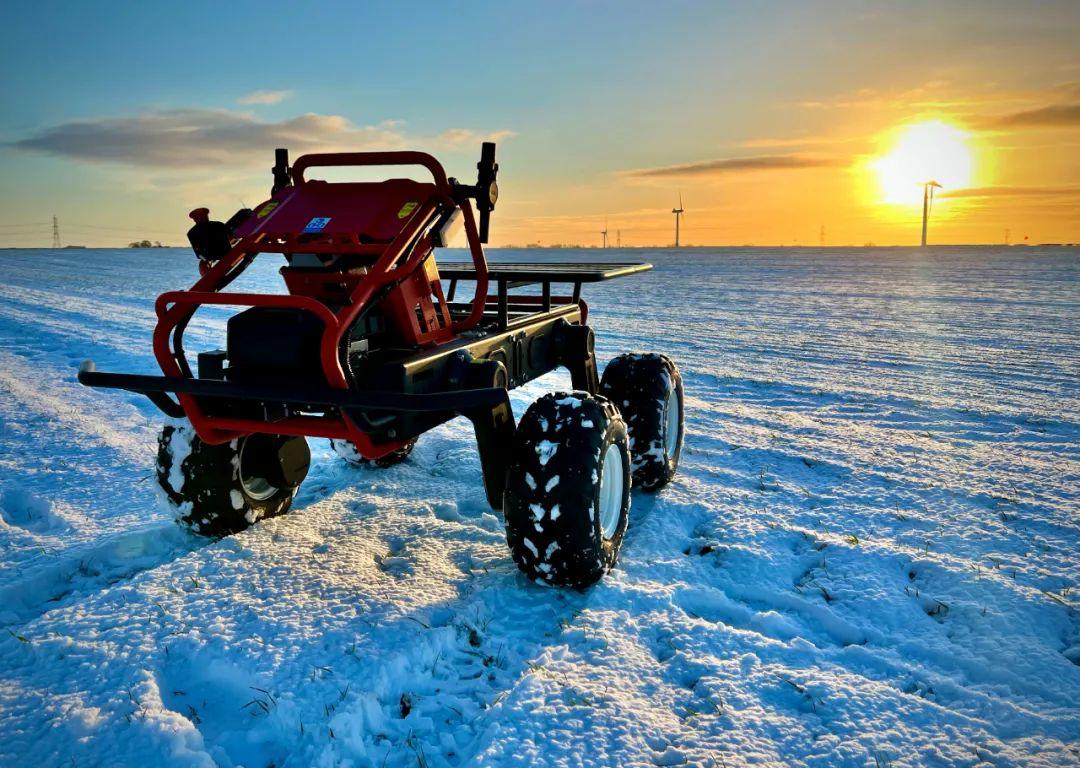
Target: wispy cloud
(264,97)
(931,95)
(1070,88)
(1004,192)
(1049,116)
(828,143)
(708,168)
(201,138)
(461,137)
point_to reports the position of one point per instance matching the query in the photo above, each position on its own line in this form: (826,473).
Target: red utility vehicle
(370,349)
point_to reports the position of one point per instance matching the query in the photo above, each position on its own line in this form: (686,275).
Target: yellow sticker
(265,210)
(407,209)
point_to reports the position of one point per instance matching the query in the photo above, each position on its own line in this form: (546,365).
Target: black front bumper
(158,388)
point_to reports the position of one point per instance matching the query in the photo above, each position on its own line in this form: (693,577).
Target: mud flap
(494,427)
(576,351)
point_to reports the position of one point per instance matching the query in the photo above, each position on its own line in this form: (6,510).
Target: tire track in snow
(85,570)
(31,305)
(74,409)
(75,558)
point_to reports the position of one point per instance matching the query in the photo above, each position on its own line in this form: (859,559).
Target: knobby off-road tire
(347,451)
(648,391)
(567,497)
(217,490)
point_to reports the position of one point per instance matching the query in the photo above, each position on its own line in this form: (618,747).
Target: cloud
(458,137)
(1050,116)
(708,168)
(1012,192)
(202,138)
(264,97)
(1071,88)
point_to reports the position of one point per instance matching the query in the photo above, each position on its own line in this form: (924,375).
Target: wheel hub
(254,470)
(671,424)
(612,486)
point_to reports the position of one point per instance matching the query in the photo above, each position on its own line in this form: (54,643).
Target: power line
(43,227)
(119,229)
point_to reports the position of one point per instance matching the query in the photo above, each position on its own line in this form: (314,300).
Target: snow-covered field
(871,555)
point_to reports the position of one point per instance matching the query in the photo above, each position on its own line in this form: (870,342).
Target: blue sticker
(317,224)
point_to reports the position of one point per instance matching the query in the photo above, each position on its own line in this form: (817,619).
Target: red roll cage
(392,266)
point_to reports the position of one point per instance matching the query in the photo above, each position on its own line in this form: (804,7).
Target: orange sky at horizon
(827,188)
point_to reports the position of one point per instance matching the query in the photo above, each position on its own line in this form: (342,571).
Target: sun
(922,152)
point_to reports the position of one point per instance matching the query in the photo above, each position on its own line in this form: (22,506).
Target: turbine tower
(603,232)
(927,203)
(678,214)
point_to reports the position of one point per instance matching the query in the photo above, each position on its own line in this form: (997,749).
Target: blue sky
(579,93)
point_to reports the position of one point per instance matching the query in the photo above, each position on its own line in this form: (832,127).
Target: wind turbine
(604,233)
(927,202)
(678,213)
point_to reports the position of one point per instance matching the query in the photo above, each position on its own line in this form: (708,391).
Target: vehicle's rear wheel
(567,499)
(648,391)
(217,490)
(347,451)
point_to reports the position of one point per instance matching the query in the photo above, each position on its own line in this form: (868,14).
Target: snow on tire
(217,490)
(648,391)
(347,451)
(567,499)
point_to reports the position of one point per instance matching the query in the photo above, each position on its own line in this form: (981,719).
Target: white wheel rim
(612,484)
(671,424)
(257,488)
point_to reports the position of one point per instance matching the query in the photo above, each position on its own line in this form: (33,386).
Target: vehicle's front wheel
(217,490)
(567,499)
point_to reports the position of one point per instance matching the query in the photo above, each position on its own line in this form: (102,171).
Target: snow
(180,449)
(870,555)
(545,449)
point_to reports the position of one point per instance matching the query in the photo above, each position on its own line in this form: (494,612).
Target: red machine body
(361,243)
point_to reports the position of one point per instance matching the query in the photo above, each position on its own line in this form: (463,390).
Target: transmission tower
(618,238)
(55,233)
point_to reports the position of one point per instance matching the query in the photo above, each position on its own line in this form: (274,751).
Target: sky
(777,123)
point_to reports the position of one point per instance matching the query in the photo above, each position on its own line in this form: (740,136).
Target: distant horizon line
(573,247)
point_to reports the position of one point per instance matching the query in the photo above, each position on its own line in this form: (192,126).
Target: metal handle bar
(371,158)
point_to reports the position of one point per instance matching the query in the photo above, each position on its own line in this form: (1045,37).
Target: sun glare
(922,152)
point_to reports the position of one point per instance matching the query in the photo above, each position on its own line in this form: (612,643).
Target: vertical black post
(487,192)
(280,170)
(504,309)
